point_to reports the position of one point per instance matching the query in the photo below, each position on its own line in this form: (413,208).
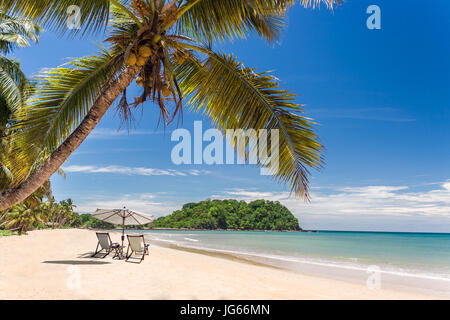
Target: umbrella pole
(123,230)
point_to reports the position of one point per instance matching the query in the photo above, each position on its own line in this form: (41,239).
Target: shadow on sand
(88,255)
(76,262)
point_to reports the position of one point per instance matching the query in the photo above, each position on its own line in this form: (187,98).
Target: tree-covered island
(231,214)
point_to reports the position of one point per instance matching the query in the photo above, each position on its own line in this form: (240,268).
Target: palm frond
(210,20)
(56,14)
(120,14)
(121,10)
(16,32)
(236,97)
(123,29)
(61,173)
(316,3)
(13,83)
(6,177)
(63,97)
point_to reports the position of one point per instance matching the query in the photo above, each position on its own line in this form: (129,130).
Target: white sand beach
(56,264)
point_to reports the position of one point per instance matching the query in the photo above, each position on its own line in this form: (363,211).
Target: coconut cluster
(147,51)
(139,58)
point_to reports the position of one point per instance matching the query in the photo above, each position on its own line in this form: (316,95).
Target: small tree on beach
(168,47)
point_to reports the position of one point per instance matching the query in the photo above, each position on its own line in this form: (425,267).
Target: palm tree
(57,214)
(22,218)
(14,86)
(14,32)
(48,210)
(168,46)
(64,212)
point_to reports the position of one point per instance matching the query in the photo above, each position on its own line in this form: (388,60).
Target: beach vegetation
(47,215)
(86,220)
(6,233)
(22,218)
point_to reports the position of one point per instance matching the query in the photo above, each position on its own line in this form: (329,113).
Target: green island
(231,215)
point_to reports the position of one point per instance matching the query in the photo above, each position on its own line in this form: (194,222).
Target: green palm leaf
(13,84)
(14,88)
(234,96)
(5,175)
(210,20)
(64,96)
(16,32)
(56,13)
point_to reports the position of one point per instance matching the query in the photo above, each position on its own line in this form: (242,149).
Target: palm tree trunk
(54,220)
(16,195)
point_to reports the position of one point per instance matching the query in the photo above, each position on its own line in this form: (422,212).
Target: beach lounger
(105,243)
(138,246)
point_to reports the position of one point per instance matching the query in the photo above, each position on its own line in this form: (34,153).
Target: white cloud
(140,171)
(198,172)
(108,133)
(369,200)
(241,193)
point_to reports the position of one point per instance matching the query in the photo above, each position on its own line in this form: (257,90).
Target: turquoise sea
(418,261)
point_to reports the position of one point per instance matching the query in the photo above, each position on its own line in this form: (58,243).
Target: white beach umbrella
(123,217)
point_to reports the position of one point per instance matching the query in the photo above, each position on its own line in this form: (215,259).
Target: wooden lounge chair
(105,243)
(138,246)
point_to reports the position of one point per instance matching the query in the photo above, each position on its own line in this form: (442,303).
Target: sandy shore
(56,264)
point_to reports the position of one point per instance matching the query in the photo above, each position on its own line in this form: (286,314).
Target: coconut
(145,52)
(131,61)
(156,38)
(141,61)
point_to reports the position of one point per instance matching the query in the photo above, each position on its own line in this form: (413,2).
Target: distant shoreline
(230,230)
(254,230)
(301,231)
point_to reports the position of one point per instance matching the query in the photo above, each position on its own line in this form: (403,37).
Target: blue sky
(381,98)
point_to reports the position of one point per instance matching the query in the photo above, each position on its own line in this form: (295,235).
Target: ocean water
(411,261)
